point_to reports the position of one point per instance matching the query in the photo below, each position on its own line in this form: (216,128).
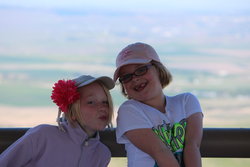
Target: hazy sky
(154,5)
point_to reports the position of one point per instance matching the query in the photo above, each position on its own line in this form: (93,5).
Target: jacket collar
(78,135)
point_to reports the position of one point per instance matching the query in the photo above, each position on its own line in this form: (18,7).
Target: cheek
(88,113)
(154,77)
(127,89)
(82,115)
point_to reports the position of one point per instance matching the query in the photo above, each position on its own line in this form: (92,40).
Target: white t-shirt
(169,126)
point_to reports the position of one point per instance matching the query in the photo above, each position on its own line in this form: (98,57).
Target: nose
(135,78)
(103,109)
(102,106)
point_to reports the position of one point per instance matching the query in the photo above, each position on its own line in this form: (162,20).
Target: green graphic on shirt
(173,136)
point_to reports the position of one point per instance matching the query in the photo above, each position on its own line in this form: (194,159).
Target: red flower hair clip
(64,93)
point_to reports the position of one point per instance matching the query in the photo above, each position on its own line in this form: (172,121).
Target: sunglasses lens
(140,71)
(125,78)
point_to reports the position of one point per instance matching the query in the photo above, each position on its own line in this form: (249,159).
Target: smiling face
(94,111)
(144,88)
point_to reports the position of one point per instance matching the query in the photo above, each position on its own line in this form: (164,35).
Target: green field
(206,162)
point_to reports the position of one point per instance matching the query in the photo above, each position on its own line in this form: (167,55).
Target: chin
(142,98)
(101,127)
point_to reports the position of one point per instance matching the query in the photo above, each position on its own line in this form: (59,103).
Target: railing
(216,142)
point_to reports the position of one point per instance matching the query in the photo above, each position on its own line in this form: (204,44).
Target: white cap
(137,53)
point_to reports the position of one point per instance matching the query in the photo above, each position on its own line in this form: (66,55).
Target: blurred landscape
(208,53)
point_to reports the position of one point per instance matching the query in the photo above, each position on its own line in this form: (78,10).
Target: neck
(90,133)
(158,102)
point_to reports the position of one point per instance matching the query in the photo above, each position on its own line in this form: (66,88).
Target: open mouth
(140,87)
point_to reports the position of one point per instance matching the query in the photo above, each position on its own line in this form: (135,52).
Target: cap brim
(130,61)
(108,82)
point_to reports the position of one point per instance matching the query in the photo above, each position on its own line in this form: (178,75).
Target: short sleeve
(130,116)
(192,104)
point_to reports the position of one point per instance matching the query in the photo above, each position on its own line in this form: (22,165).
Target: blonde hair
(74,113)
(164,75)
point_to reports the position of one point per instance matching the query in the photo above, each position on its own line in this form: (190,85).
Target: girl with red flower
(87,108)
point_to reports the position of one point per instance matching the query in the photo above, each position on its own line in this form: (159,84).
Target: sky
(27,19)
(154,5)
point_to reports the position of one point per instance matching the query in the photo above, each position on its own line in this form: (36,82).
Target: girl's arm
(192,156)
(147,141)
(18,154)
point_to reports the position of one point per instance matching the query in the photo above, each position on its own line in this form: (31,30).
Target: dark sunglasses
(138,72)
